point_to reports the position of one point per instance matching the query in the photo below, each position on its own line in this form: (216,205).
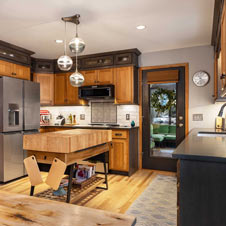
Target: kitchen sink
(211,134)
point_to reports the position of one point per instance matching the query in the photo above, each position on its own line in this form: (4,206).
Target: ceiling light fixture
(65,62)
(76,45)
(58,41)
(141,27)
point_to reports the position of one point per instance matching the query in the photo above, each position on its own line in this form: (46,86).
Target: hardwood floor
(122,191)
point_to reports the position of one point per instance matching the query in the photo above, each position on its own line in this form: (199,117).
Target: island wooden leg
(71,167)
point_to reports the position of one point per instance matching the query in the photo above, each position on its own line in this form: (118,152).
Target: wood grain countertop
(66,141)
(20,210)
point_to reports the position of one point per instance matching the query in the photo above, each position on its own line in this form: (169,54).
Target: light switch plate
(197,117)
(82,117)
(127,116)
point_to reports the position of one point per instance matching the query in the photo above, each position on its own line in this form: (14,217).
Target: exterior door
(158,133)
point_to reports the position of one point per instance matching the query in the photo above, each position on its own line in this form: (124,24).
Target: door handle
(181,125)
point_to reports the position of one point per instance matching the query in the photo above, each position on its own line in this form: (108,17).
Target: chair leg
(69,184)
(32,190)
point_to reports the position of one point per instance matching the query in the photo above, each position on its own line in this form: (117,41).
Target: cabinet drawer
(119,134)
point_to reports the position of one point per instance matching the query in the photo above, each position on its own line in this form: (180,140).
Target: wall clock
(201,78)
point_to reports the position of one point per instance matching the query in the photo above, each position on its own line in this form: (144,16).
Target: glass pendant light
(77,45)
(65,62)
(76,79)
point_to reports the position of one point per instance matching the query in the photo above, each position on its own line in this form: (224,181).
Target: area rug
(156,206)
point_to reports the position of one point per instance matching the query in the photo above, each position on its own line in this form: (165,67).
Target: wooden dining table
(18,210)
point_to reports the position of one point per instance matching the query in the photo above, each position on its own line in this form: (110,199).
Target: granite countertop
(203,148)
(92,127)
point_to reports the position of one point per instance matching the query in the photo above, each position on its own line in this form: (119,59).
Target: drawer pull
(118,134)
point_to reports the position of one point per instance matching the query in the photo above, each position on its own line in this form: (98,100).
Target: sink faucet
(221,110)
(220,120)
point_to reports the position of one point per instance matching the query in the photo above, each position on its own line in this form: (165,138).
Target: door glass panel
(162,119)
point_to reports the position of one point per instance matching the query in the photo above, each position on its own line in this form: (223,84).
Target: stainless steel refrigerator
(19,114)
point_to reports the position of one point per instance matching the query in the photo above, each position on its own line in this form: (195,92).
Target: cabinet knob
(181,124)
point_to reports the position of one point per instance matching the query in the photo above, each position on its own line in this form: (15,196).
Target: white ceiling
(107,25)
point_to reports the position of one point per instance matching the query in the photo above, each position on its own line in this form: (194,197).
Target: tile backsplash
(122,111)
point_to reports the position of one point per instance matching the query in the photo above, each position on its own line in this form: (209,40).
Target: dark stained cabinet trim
(216,30)
(91,62)
(42,65)
(15,54)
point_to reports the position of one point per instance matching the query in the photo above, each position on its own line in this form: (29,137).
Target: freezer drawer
(11,156)
(11,104)
(31,103)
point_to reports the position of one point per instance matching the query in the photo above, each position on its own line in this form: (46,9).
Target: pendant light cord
(76,54)
(65,40)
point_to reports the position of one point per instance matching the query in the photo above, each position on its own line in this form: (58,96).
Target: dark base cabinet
(201,193)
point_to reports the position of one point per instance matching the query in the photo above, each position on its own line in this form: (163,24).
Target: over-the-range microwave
(97,92)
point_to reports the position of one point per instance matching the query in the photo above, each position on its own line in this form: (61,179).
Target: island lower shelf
(76,192)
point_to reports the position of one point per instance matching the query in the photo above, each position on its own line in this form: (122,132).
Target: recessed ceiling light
(59,41)
(141,27)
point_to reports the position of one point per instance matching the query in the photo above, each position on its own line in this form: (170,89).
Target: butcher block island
(66,141)
(68,147)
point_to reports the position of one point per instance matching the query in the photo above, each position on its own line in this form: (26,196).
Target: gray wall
(200,98)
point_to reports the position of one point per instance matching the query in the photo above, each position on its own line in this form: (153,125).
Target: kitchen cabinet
(119,155)
(43,66)
(99,77)
(65,94)
(5,68)
(46,88)
(21,72)
(223,40)
(14,70)
(60,95)
(123,156)
(220,59)
(105,76)
(90,77)
(126,85)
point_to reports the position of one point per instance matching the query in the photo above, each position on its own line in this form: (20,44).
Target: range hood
(97,92)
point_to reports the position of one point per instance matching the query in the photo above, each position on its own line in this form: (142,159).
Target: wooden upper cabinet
(5,68)
(105,76)
(119,155)
(72,94)
(21,72)
(124,85)
(99,77)
(46,88)
(14,70)
(65,93)
(60,96)
(90,77)
(223,40)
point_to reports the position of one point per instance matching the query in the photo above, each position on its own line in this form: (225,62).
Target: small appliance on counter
(60,120)
(45,117)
